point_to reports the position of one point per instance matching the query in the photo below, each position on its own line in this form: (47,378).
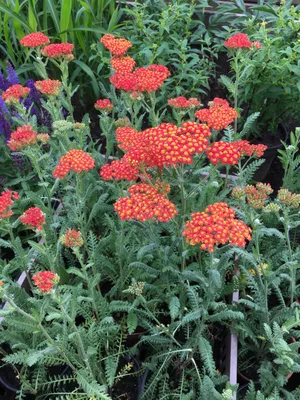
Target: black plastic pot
(271,152)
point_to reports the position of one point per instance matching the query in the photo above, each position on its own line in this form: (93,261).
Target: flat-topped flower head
(34,218)
(15,93)
(7,198)
(22,137)
(122,64)
(74,160)
(223,153)
(45,280)
(238,41)
(59,50)
(117,46)
(35,39)
(48,87)
(245,148)
(72,238)
(119,170)
(219,115)
(104,105)
(145,202)
(214,226)
(182,103)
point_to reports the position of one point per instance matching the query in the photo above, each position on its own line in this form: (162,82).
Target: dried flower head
(73,160)
(22,137)
(214,226)
(14,93)
(48,87)
(104,105)
(6,202)
(35,39)
(45,280)
(34,218)
(72,238)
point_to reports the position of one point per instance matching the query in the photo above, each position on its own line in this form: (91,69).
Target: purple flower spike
(11,74)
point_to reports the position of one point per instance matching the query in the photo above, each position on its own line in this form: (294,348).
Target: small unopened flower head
(79,126)
(237,193)
(288,198)
(122,122)
(43,138)
(227,394)
(72,238)
(136,288)
(272,208)
(62,125)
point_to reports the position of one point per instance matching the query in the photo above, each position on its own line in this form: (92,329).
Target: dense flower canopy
(6,202)
(35,39)
(22,137)
(73,160)
(214,226)
(34,218)
(145,203)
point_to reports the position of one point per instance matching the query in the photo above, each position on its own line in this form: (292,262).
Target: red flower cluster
(142,79)
(35,39)
(6,202)
(216,225)
(22,137)
(105,105)
(256,44)
(182,102)
(118,47)
(14,93)
(49,87)
(73,160)
(238,41)
(224,153)
(145,203)
(45,280)
(164,145)
(59,50)
(247,149)
(257,195)
(34,218)
(219,115)
(122,64)
(72,238)
(119,170)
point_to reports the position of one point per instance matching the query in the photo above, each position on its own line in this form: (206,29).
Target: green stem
(292,270)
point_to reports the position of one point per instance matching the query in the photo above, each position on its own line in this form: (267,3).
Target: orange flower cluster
(216,225)
(34,218)
(118,47)
(219,115)
(22,137)
(45,280)
(182,103)
(49,87)
(163,145)
(142,79)
(6,202)
(224,153)
(59,50)
(72,238)
(145,203)
(122,64)
(104,104)
(288,198)
(257,195)
(35,39)
(14,93)
(247,149)
(119,170)
(73,160)
(238,41)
